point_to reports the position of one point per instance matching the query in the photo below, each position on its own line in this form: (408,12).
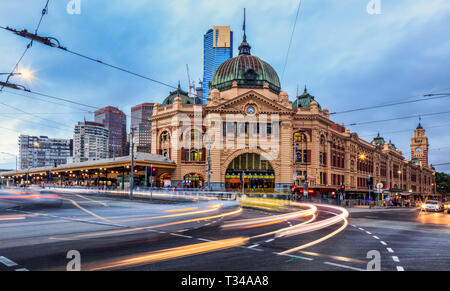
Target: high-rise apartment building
(90,141)
(140,121)
(42,151)
(116,122)
(217,48)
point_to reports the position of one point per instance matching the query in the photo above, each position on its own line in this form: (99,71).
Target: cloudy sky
(347,57)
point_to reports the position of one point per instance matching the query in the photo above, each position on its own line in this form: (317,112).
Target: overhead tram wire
(389,104)
(54,43)
(398,118)
(69,101)
(290,41)
(50,102)
(35,116)
(405,130)
(30,44)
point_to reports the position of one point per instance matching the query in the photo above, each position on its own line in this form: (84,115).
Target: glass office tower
(217,48)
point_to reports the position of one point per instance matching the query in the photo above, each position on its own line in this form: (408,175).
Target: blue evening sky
(346,57)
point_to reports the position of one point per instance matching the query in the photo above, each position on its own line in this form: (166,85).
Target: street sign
(380,186)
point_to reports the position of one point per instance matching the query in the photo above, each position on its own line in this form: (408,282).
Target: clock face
(251,110)
(419,150)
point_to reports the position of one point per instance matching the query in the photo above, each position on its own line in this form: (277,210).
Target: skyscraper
(41,151)
(217,48)
(116,122)
(90,141)
(140,115)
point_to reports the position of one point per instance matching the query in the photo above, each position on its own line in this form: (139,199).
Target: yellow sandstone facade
(250,134)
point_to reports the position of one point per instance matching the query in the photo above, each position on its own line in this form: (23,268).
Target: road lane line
(181,235)
(344,266)
(390,250)
(270,240)
(253,246)
(361,228)
(395,258)
(368,232)
(400,269)
(204,239)
(383,243)
(7,262)
(99,202)
(376,237)
(21,270)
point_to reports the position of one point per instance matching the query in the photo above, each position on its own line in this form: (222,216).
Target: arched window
(165,144)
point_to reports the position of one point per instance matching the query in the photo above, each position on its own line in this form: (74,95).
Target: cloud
(345,56)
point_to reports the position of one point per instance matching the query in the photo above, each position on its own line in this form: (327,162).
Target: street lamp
(209,144)
(25,74)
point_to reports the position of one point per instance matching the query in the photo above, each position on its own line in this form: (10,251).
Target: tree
(443,183)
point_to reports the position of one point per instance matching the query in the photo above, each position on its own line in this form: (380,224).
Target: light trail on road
(127,230)
(173,253)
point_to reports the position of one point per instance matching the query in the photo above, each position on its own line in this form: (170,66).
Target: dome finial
(244,48)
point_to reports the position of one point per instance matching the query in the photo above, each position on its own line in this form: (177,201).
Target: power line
(54,43)
(47,101)
(290,41)
(33,115)
(406,130)
(398,118)
(388,105)
(30,44)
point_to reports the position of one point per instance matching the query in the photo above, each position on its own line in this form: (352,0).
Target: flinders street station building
(251,137)
(251,134)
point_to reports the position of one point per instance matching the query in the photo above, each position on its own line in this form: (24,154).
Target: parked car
(433,205)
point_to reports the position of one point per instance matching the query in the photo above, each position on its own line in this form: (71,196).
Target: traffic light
(153,172)
(342,188)
(370,182)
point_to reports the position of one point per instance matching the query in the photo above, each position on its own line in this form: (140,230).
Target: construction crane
(191,85)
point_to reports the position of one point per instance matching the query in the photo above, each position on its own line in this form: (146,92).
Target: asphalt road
(116,234)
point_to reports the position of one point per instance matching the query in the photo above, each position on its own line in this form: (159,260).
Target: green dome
(247,70)
(185,99)
(379,140)
(304,100)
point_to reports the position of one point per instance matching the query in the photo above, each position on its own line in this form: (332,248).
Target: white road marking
(383,243)
(368,232)
(395,258)
(254,249)
(7,262)
(400,268)
(270,240)
(390,250)
(253,246)
(21,270)
(344,266)
(361,228)
(203,239)
(376,237)
(181,235)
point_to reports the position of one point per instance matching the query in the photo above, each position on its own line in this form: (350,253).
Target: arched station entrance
(193,180)
(252,172)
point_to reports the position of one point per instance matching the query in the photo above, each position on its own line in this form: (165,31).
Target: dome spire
(244,48)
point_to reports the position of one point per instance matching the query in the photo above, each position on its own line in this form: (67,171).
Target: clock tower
(419,146)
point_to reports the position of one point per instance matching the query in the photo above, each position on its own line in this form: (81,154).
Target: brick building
(250,134)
